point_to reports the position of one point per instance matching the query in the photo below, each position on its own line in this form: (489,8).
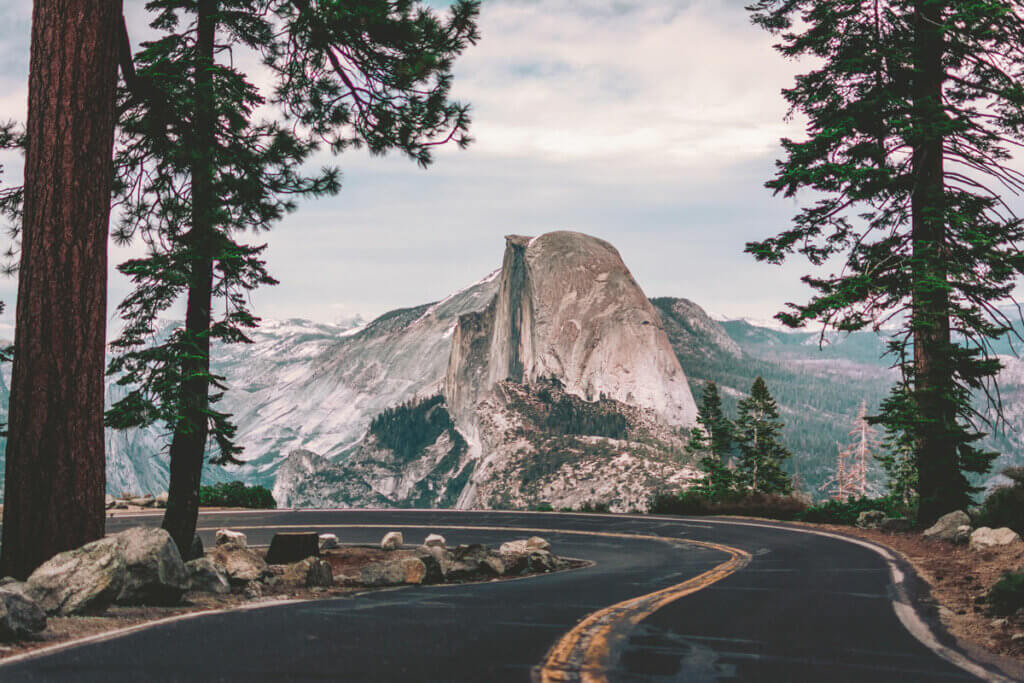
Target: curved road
(803,608)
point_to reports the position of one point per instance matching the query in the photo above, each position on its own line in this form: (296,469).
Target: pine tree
(711,442)
(197,170)
(911,113)
(55,464)
(758,429)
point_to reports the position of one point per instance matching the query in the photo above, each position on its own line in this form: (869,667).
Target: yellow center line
(585,653)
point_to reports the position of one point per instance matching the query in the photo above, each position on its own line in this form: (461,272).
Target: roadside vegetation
(236,494)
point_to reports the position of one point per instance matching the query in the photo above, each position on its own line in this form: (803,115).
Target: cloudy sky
(650,123)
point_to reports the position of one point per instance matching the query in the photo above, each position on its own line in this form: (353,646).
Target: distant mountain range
(552,380)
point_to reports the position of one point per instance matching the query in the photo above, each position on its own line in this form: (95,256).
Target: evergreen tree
(197,170)
(911,113)
(758,429)
(898,457)
(711,442)
(55,461)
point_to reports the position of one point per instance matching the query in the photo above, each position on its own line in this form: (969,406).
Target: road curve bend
(667,599)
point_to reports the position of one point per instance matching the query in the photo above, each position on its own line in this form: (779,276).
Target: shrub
(543,506)
(235,494)
(769,505)
(1005,505)
(839,512)
(1007,596)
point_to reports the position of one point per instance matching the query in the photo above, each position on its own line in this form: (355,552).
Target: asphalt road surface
(803,608)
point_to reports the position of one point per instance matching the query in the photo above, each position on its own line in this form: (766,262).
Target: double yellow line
(585,653)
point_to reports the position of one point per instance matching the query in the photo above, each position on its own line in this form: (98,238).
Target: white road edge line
(903,608)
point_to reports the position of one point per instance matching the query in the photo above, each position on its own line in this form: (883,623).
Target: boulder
(328,542)
(408,570)
(435,540)
(109,501)
(85,580)
(20,616)
(196,550)
(392,540)
(514,547)
(309,572)
(205,576)
(537,543)
(241,564)
(984,538)
(161,500)
(293,546)
(121,505)
(894,525)
(143,501)
(870,519)
(945,529)
(155,573)
(963,534)
(233,537)
(471,561)
(253,590)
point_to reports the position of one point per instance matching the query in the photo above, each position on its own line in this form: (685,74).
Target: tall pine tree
(55,464)
(911,113)
(197,170)
(711,442)
(757,434)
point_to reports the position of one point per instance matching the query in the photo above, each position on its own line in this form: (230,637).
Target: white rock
(109,501)
(328,541)
(233,537)
(435,540)
(537,543)
(984,537)
(392,540)
(514,547)
(239,562)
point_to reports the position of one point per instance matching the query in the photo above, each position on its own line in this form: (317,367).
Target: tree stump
(290,547)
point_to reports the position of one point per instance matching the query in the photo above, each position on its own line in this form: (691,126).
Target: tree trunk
(188,444)
(55,461)
(935,451)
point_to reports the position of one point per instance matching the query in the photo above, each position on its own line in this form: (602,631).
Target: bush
(543,506)
(769,505)
(1005,505)
(235,494)
(1007,596)
(838,512)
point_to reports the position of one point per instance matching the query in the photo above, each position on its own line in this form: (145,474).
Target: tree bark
(939,476)
(188,444)
(55,460)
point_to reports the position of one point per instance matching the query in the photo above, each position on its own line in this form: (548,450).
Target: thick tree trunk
(939,483)
(188,444)
(55,477)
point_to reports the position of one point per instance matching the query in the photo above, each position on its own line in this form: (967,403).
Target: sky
(652,124)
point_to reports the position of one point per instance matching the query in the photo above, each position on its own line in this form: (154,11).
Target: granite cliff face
(567,327)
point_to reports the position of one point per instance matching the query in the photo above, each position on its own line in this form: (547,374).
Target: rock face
(568,308)
(155,573)
(19,615)
(85,580)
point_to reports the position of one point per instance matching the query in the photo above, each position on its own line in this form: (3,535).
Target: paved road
(805,608)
